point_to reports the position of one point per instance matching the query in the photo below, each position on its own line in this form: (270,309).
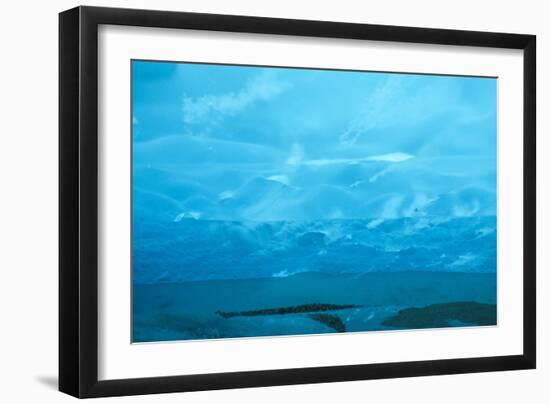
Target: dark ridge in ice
(303,308)
(443,315)
(330,320)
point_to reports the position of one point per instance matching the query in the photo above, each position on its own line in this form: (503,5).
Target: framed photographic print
(250,201)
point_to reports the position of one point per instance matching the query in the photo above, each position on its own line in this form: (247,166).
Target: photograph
(282,201)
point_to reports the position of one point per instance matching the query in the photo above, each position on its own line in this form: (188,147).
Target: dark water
(187,310)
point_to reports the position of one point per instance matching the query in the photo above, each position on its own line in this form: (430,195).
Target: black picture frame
(78,201)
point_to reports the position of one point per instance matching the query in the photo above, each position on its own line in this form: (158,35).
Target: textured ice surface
(190,249)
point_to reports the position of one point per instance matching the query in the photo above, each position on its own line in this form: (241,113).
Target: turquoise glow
(255,188)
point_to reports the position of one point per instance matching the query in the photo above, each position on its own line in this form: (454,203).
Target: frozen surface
(187,310)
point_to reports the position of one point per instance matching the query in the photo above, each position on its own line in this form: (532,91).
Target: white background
(28,203)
